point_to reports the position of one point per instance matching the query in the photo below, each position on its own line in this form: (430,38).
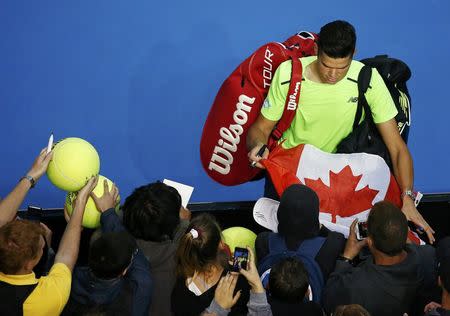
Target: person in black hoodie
(390,280)
(300,234)
(289,289)
(117,279)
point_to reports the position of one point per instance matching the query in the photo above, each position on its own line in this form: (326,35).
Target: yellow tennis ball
(73,163)
(91,217)
(239,237)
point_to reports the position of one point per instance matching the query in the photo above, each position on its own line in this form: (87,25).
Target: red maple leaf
(340,198)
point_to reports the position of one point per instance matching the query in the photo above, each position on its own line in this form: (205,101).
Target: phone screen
(362,230)
(240,259)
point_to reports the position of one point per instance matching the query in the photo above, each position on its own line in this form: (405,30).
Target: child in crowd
(117,279)
(289,289)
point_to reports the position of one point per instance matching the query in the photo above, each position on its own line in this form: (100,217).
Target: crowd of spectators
(152,258)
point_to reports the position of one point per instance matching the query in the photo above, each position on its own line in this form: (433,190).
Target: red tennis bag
(223,149)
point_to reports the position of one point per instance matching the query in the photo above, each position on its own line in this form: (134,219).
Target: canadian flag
(348,185)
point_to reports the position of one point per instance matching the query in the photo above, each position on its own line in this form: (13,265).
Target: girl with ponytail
(201,260)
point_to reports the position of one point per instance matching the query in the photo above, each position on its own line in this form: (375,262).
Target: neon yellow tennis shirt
(326,112)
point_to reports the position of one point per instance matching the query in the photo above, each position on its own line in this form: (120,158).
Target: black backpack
(306,253)
(365,136)
(395,74)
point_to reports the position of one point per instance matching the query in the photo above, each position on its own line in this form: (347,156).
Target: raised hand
(225,289)
(353,246)
(251,274)
(108,199)
(40,164)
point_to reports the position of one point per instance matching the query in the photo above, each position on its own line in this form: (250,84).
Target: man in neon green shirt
(327,108)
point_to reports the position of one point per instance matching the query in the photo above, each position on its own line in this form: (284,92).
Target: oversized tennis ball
(73,163)
(91,217)
(239,237)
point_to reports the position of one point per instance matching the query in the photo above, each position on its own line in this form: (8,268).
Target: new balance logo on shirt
(266,103)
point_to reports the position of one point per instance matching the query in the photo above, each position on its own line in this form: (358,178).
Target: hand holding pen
(261,154)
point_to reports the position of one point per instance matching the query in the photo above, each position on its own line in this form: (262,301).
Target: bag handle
(364,78)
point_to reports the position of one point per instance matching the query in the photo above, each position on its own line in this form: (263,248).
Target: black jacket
(128,295)
(382,290)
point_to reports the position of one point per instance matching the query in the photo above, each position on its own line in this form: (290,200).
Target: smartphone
(361,230)
(240,259)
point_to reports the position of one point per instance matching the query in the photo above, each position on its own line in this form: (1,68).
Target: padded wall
(137,78)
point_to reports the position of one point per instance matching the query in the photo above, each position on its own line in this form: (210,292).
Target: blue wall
(137,78)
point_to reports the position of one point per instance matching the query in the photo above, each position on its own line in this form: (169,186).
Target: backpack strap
(277,243)
(364,78)
(309,247)
(290,106)
(277,249)
(307,252)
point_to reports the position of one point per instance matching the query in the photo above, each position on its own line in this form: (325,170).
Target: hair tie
(194,233)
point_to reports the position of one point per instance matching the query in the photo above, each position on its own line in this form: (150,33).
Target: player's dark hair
(337,39)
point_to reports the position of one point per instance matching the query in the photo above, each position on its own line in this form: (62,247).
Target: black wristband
(342,258)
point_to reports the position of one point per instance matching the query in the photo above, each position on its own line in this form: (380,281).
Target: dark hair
(337,39)
(111,254)
(351,310)
(19,243)
(199,247)
(288,280)
(151,212)
(387,226)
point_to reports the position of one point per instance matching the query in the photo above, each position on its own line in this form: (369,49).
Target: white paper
(184,190)
(336,227)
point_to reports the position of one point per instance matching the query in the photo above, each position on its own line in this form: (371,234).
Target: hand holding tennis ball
(104,196)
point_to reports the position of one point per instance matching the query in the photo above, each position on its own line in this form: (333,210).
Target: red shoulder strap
(290,107)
